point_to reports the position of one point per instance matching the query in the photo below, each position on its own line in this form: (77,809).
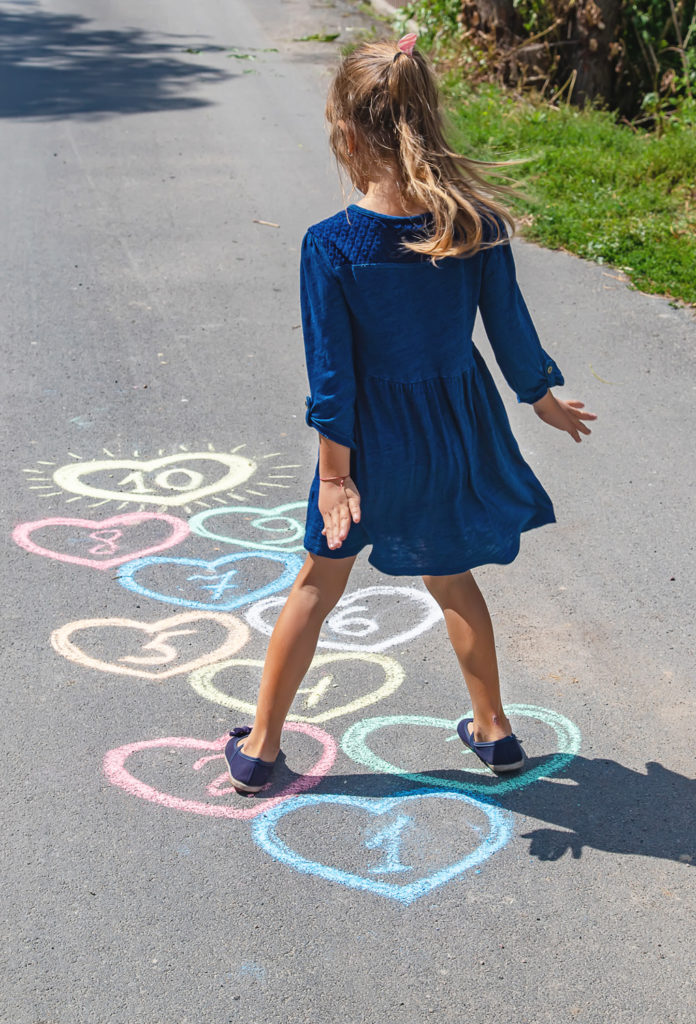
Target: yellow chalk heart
(179,479)
(202,682)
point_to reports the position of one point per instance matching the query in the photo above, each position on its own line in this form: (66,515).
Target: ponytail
(389,101)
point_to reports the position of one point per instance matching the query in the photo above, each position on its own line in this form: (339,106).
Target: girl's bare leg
(471,633)
(315,592)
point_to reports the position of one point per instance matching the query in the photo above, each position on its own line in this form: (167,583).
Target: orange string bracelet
(332,479)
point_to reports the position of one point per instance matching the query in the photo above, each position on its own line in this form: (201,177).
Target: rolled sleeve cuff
(552,377)
(329,428)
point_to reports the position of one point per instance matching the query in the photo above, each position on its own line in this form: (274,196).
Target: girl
(416,454)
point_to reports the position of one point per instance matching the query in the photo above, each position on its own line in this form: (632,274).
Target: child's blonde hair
(390,102)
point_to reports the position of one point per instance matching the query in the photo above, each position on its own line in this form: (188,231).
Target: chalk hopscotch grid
(171,473)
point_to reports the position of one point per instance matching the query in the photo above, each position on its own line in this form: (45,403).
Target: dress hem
(504,559)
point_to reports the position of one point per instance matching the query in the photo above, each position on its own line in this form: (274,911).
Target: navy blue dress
(395,376)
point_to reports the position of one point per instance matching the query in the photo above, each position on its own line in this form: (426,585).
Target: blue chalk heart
(292,564)
(277,528)
(264,833)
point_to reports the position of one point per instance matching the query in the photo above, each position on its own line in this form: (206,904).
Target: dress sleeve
(328,341)
(527,368)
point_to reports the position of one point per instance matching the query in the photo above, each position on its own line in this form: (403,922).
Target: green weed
(603,190)
(318,37)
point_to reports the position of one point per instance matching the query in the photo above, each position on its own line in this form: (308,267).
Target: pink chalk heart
(111,538)
(117,773)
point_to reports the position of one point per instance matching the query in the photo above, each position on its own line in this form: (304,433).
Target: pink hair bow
(406,43)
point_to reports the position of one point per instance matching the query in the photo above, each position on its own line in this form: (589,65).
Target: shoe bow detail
(241,730)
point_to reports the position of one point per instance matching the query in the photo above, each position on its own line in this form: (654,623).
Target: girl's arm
(339,503)
(528,369)
(328,340)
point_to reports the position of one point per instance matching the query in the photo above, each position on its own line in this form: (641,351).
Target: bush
(638,56)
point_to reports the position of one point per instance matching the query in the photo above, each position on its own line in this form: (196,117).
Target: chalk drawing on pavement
(355,745)
(369,619)
(397,847)
(117,773)
(109,542)
(318,688)
(222,584)
(268,529)
(499,831)
(389,840)
(181,480)
(161,656)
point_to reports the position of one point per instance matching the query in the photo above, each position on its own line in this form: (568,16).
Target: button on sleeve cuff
(552,378)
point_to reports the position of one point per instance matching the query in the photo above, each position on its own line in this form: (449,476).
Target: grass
(602,190)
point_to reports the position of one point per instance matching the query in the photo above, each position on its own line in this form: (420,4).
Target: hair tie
(406,44)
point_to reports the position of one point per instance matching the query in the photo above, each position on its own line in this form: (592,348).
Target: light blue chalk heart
(283,532)
(264,833)
(354,744)
(291,566)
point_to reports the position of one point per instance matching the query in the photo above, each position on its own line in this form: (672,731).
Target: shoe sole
(500,768)
(242,786)
(497,769)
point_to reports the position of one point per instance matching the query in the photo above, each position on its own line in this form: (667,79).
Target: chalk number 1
(389,840)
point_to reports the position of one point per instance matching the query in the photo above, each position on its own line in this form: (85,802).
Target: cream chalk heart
(159,651)
(107,537)
(202,681)
(117,773)
(187,476)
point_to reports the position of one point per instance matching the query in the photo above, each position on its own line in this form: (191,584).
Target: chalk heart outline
(114,767)
(279,512)
(202,682)
(433,614)
(239,469)
(292,565)
(237,636)
(179,531)
(264,833)
(354,744)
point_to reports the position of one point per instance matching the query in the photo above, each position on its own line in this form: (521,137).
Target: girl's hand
(338,506)
(564,415)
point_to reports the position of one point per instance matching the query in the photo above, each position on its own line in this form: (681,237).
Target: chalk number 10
(167,480)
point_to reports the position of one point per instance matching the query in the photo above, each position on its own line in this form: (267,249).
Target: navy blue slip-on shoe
(504,755)
(248,774)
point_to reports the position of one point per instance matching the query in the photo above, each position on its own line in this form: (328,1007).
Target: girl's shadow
(611,808)
(596,802)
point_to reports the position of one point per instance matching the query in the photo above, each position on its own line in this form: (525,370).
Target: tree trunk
(496,18)
(594,31)
(582,44)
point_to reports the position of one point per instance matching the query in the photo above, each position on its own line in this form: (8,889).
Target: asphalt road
(154,389)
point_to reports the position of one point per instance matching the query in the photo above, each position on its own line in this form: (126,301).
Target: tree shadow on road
(597,803)
(55,66)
